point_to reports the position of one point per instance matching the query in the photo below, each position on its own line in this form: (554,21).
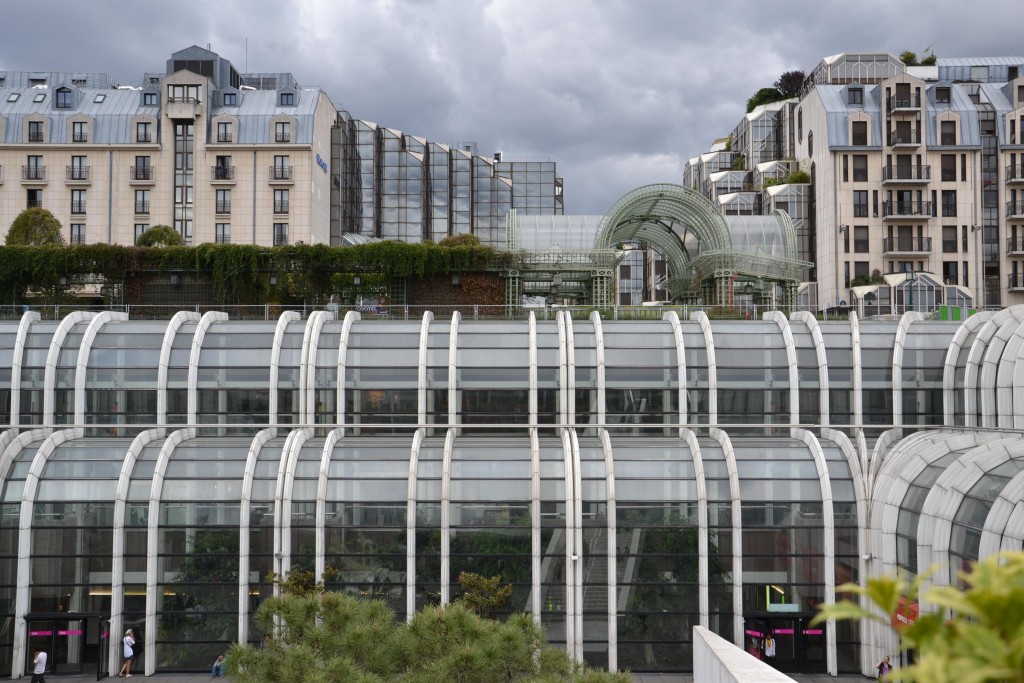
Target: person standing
(129,654)
(769,649)
(39,668)
(884,666)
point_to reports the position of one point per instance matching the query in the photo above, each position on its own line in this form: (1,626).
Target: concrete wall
(716,660)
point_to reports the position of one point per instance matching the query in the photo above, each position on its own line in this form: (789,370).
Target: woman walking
(129,654)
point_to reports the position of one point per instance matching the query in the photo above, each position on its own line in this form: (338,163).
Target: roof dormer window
(40,96)
(13,97)
(942,95)
(64,99)
(99,99)
(855,96)
(230,99)
(287,99)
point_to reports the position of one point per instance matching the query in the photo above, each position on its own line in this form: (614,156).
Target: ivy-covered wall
(231,274)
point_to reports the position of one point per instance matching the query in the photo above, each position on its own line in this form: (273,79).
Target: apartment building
(911,170)
(230,157)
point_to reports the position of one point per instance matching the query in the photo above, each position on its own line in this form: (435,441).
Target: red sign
(906,614)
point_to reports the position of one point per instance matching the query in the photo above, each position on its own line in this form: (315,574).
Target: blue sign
(321,163)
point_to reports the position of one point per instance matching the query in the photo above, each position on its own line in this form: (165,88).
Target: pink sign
(40,633)
(70,632)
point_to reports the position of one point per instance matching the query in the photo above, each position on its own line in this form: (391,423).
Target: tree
(461,240)
(790,83)
(764,96)
(34,227)
(483,595)
(908,58)
(326,636)
(160,236)
(975,636)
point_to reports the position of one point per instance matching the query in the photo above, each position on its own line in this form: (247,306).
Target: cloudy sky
(618,92)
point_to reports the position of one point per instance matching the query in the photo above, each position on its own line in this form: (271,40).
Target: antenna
(247,54)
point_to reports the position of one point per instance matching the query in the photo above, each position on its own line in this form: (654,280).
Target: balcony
(905,138)
(80,137)
(1015,174)
(76,174)
(1015,245)
(281,174)
(224,136)
(1015,282)
(1,175)
(223,207)
(142,207)
(898,211)
(222,174)
(908,103)
(33,174)
(1015,210)
(78,207)
(183,108)
(34,204)
(223,239)
(280,207)
(35,136)
(144,137)
(141,175)
(280,240)
(906,175)
(907,245)
(283,136)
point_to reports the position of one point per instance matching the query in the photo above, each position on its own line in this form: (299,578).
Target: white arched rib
(244,524)
(737,533)
(794,370)
(307,378)
(346,329)
(84,349)
(962,335)
(204,325)
(166,346)
(808,319)
(17,360)
(53,357)
(283,322)
(709,344)
(677,332)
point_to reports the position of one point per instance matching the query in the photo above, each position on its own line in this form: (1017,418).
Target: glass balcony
(907,245)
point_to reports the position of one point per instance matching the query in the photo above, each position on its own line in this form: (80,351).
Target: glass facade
(629,479)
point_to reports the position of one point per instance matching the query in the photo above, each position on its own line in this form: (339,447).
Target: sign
(321,163)
(906,613)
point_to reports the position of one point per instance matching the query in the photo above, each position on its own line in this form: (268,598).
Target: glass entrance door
(799,648)
(63,641)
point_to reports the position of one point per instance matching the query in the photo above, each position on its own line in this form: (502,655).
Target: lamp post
(979,282)
(842,230)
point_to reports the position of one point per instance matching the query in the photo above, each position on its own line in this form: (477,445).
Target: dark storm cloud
(618,92)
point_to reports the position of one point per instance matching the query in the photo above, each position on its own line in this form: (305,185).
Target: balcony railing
(222,172)
(35,203)
(907,245)
(1015,245)
(280,207)
(223,207)
(144,137)
(1014,209)
(280,239)
(33,173)
(223,239)
(78,207)
(916,174)
(904,102)
(35,136)
(283,136)
(142,172)
(77,172)
(912,209)
(1015,173)
(141,207)
(949,210)
(861,246)
(905,137)
(80,137)
(949,246)
(224,136)
(1015,281)
(280,172)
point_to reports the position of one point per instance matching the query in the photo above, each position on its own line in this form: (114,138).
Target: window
(949,167)
(280,201)
(80,131)
(78,233)
(141,201)
(223,233)
(34,169)
(139,229)
(859,133)
(223,170)
(39,97)
(281,170)
(860,168)
(280,234)
(860,203)
(948,203)
(949,239)
(35,131)
(855,96)
(948,133)
(13,97)
(282,132)
(810,143)
(230,99)
(942,95)
(287,99)
(77,201)
(149,99)
(144,131)
(99,99)
(861,239)
(799,125)
(949,273)
(862,269)
(224,131)
(142,170)
(79,168)
(35,199)
(223,201)
(63,99)
(183,93)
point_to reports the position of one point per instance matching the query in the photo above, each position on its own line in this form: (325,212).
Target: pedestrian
(39,660)
(769,649)
(129,654)
(755,649)
(884,666)
(218,667)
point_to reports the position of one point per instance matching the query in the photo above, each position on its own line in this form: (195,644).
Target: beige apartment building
(220,156)
(916,175)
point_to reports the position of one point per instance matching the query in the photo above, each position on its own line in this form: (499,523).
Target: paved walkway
(637,678)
